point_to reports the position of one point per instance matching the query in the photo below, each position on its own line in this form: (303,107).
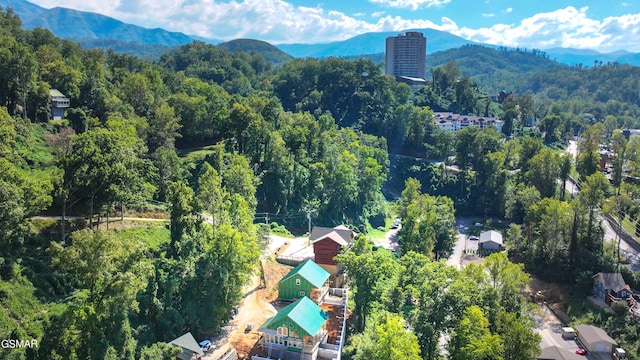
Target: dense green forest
(218,137)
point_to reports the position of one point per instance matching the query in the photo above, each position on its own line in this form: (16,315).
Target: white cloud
(279,21)
(411,4)
(377,14)
(276,21)
(488,15)
(568,27)
(509,10)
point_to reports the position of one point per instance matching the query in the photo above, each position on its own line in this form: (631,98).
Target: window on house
(298,282)
(282,331)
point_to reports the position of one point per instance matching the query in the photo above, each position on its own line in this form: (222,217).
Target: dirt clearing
(257,307)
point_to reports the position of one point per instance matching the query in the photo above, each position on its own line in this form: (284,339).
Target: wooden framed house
(295,332)
(327,243)
(307,279)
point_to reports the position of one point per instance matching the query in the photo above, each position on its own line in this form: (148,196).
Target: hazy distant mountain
(268,51)
(22,8)
(371,43)
(589,57)
(81,25)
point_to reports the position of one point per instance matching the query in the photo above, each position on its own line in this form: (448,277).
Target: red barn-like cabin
(327,243)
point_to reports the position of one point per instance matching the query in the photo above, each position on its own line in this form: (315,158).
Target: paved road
(609,233)
(462,226)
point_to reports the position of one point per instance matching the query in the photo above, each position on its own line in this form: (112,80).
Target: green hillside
(268,51)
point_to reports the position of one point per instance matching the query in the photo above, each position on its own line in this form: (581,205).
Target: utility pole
(309,221)
(267,232)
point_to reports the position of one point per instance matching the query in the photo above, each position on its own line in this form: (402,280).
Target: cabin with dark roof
(327,243)
(610,286)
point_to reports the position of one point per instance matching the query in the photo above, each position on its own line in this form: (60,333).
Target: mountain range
(96,30)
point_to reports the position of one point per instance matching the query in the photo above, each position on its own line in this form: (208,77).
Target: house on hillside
(327,243)
(59,103)
(610,285)
(190,348)
(490,241)
(596,340)
(295,332)
(306,279)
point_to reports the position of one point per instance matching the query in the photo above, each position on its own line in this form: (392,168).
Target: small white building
(59,102)
(490,241)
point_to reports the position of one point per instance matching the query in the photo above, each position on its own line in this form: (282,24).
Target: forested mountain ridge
(94,30)
(270,53)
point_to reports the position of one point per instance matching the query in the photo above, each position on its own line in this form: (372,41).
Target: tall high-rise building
(406,55)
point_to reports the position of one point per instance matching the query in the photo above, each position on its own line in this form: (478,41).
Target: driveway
(390,240)
(548,326)
(462,226)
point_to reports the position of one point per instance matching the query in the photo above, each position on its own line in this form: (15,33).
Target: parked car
(205,345)
(478,224)
(581,351)
(473,237)
(396,223)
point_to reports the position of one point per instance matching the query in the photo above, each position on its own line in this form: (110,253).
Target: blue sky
(595,24)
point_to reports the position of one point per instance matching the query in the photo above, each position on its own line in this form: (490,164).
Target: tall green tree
(386,338)
(519,339)
(594,191)
(543,173)
(472,339)
(367,271)
(427,222)
(111,273)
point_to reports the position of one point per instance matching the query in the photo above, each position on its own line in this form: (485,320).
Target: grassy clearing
(152,235)
(581,311)
(380,234)
(629,226)
(196,154)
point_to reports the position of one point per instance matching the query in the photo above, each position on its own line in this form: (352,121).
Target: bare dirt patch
(333,322)
(553,293)
(256,308)
(471,259)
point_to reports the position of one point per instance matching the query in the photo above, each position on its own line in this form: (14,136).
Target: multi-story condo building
(453,122)
(406,55)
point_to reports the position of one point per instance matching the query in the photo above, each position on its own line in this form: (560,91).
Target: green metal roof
(55,93)
(304,313)
(311,271)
